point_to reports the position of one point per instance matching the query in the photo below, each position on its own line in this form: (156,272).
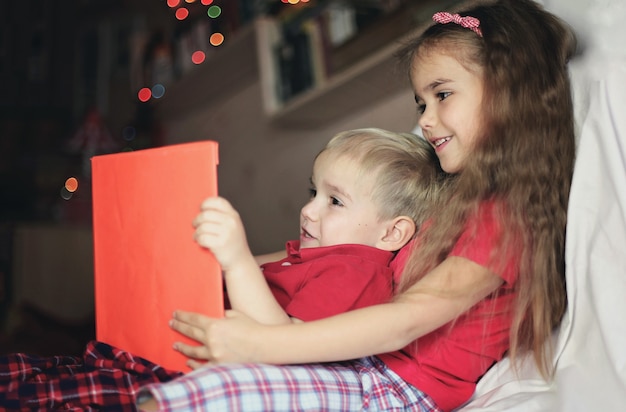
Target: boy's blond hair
(404,168)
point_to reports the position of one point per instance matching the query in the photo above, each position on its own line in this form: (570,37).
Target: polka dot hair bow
(468,22)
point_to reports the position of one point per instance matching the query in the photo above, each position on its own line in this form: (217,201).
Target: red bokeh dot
(198,57)
(182,13)
(144,94)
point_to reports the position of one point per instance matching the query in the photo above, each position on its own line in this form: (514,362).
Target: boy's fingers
(208,216)
(217,202)
(206,203)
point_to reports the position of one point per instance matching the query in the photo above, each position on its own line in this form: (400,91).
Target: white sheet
(591,343)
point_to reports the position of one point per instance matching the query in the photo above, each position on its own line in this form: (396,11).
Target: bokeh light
(158,90)
(198,57)
(173,3)
(206,2)
(190,1)
(129,133)
(71,184)
(65,194)
(216,39)
(144,94)
(214,12)
(182,13)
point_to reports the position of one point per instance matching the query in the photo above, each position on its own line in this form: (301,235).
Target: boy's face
(341,210)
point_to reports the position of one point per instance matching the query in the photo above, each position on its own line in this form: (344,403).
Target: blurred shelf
(368,70)
(370,80)
(230,68)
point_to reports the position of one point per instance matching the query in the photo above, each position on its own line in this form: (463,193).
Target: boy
(370,190)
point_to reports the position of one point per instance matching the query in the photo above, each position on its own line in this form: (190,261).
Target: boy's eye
(335,202)
(312,192)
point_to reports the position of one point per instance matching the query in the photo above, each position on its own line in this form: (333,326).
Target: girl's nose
(427,119)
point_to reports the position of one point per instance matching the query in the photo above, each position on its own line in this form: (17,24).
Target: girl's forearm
(381,328)
(350,335)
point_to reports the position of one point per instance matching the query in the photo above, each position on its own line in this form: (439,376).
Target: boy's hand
(219,228)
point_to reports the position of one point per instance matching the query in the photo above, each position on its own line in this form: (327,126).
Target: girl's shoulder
(483,241)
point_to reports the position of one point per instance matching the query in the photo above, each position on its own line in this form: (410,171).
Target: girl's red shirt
(447,363)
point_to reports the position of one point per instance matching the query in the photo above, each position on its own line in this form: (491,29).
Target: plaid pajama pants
(104,378)
(362,385)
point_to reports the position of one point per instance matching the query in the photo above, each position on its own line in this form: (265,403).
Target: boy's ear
(399,231)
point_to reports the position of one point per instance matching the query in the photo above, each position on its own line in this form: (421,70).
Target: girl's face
(449,98)
(341,209)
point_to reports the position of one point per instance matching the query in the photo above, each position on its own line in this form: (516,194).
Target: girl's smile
(449,98)
(439,142)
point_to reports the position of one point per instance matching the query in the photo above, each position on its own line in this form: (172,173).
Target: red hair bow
(468,22)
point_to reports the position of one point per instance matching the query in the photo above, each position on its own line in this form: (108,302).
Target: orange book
(147,263)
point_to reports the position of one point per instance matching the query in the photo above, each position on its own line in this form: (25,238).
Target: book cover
(147,263)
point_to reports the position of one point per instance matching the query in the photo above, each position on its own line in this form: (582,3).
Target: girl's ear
(399,231)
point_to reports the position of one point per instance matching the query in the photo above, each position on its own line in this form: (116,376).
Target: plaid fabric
(104,379)
(363,385)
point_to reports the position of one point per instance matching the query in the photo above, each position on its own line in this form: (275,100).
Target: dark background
(69,76)
(70,72)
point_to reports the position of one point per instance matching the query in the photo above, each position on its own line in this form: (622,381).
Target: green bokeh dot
(214,11)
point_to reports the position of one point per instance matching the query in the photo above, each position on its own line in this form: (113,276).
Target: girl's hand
(229,339)
(219,228)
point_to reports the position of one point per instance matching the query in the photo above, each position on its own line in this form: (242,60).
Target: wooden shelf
(232,67)
(370,79)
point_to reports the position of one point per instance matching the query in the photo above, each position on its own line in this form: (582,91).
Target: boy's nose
(308,211)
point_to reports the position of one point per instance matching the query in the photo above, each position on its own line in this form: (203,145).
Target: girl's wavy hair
(404,167)
(523,159)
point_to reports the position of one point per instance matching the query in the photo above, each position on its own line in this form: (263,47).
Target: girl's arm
(219,228)
(442,295)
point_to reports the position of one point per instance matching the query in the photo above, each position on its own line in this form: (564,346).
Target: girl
(486,276)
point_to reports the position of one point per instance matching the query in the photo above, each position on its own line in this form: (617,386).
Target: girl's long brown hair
(523,159)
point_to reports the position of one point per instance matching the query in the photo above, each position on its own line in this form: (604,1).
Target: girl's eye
(421,106)
(335,202)
(312,192)
(443,95)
